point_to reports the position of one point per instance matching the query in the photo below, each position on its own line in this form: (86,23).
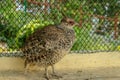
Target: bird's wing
(53,37)
(48,38)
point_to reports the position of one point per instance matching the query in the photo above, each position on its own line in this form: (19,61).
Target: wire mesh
(99,22)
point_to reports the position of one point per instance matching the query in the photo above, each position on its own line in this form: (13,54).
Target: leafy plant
(28,29)
(21,23)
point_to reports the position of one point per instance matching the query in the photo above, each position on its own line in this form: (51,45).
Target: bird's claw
(47,78)
(56,76)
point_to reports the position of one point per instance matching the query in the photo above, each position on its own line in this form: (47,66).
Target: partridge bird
(46,46)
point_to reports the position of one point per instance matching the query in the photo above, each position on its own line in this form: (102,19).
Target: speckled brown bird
(48,45)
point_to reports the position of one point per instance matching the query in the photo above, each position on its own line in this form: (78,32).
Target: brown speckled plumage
(48,45)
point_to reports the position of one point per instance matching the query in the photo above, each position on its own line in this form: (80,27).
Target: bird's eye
(71,22)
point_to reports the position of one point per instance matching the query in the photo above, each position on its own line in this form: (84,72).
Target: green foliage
(20,24)
(87,43)
(3,26)
(28,29)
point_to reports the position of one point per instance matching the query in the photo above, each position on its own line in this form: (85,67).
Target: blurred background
(99,22)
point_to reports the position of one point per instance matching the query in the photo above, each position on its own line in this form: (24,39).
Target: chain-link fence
(99,22)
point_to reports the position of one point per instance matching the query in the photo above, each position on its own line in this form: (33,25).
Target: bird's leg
(26,65)
(53,70)
(26,69)
(46,73)
(54,74)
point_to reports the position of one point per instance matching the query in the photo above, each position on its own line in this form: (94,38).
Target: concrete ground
(97,66)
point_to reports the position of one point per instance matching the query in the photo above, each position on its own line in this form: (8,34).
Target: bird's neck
(64,27)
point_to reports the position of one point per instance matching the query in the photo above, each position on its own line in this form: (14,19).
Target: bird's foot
(56,76)
(47,78)
(26,72)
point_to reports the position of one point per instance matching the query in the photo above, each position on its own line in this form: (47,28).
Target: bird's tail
(11,54)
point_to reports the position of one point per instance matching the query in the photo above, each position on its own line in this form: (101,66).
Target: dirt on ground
(96,66)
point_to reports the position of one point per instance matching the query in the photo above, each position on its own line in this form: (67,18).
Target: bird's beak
(77,24)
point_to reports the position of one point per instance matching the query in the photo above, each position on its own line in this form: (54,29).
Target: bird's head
(69,23)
